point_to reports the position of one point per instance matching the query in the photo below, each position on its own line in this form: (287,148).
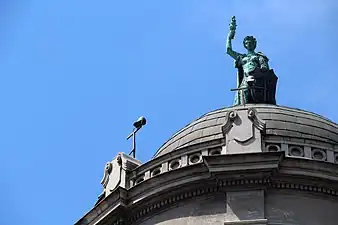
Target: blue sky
(76,74)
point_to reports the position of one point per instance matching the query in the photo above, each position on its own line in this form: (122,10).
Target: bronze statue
(256,83)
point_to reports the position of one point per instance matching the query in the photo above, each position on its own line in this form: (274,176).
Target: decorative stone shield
(242,131)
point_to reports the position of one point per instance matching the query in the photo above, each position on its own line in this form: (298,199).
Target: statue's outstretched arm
(231,52)
(231,36)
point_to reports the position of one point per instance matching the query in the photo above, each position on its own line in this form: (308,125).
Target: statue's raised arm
(231,36)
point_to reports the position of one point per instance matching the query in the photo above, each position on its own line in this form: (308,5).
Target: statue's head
(250,43)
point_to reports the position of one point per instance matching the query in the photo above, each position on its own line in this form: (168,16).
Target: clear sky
(75,74)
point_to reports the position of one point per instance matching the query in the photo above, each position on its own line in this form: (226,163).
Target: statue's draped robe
(247,95)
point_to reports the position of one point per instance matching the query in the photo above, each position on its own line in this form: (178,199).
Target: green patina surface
(252,67)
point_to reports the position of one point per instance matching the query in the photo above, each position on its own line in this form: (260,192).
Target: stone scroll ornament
(256,82)
(112,175)
(115,174)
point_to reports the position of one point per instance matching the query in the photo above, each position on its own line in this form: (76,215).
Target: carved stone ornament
(242,131)
(119,159)
(107,170)
(115,172)
(112,171)
(258,123)
(229,119)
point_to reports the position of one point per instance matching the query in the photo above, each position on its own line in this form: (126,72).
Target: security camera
(140,122)
(138,125)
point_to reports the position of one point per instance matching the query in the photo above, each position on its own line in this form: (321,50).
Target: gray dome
(280,121)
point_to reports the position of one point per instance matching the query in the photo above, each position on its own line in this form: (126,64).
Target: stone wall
(283,207)
(279,207)
(202,210)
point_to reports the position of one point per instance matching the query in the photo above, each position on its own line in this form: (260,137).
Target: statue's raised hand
(232,28)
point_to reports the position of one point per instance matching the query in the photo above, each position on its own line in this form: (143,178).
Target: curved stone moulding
(107,170)
(258,123)
(229,119)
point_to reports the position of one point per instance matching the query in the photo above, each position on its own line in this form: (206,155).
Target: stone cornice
(244,162)
(114,201)
(311,171)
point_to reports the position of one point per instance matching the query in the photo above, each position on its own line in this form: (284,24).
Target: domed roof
(280,121)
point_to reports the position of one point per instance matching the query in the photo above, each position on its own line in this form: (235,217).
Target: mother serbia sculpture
(256,82)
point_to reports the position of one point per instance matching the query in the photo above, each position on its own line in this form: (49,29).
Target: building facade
(250,164)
